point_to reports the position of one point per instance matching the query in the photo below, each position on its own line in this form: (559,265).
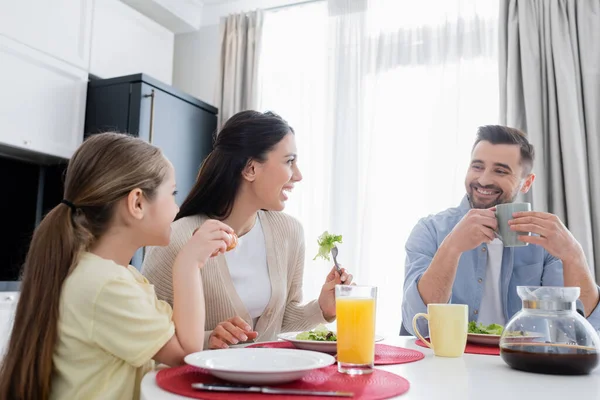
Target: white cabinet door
(61,28)
(8,306)
(42,106)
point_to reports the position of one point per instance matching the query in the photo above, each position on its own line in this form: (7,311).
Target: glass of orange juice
(355,309)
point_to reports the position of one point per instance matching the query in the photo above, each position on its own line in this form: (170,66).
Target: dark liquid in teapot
(558,359)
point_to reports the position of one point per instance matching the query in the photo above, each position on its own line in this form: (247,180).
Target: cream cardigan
(284,239)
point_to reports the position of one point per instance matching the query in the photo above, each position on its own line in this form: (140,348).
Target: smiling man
(456,257)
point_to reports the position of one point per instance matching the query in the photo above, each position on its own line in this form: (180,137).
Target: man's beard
(501,199)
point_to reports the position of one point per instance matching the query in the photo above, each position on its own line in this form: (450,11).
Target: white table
(477,377)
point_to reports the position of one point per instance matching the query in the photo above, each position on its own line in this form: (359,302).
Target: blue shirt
(521,266)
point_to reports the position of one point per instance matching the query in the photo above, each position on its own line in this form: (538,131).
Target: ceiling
(216,2)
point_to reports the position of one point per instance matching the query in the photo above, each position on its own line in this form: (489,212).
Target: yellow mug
(448,328)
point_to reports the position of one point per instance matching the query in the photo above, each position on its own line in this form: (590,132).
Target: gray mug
(504,213)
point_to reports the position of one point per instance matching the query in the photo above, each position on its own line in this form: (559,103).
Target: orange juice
(355,330)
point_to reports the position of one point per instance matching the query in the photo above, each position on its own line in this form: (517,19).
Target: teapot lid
(551,298)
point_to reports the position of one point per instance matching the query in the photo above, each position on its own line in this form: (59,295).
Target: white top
(470,377)
(247,265)
(490,309)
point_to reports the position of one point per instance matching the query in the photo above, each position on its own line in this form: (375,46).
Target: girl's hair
(104,170)
(246,136)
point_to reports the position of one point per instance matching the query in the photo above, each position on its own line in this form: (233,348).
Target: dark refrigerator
(179,124)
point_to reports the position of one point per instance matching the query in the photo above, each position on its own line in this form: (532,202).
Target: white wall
(196,62)
(179,16)
(126,42)
(197,54)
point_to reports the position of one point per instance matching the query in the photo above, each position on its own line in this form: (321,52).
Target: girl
(256,289)
(87,324)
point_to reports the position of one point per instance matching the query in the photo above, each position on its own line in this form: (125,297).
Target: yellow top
(111,325)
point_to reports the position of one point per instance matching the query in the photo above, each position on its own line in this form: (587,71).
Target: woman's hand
(232,331)
(327,296)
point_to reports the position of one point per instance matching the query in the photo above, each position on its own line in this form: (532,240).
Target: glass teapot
(548,335)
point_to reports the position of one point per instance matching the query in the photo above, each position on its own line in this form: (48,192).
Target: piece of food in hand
(491,329)
(233,241)
(326,242)
(320,334)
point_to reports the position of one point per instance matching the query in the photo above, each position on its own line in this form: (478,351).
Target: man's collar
(465,204)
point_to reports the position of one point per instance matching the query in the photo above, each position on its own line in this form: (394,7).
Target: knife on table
(268,390)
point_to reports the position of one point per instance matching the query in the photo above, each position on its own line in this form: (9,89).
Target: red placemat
(384,354)
(375,386)
(472,348)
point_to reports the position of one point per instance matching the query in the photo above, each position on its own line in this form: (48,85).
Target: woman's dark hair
(246,136)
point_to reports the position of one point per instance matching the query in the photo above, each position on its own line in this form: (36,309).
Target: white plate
(526,337)
(259,366)
(484,339)
(494,340)
(314,345)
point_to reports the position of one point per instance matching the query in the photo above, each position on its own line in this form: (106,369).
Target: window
(385,112)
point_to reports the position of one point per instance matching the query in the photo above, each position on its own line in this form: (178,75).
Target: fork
(334,253)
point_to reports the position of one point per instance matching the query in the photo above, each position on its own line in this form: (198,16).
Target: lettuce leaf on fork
(326,242)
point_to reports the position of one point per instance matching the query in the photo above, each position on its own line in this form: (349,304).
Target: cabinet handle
(26,142)
(151,133)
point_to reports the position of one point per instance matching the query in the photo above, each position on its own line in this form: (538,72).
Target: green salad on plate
(320,334)
(491,329)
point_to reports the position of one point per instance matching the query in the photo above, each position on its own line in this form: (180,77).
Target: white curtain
(240,38)
(385,97)
(550,88)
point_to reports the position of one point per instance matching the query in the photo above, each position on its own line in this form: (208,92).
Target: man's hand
(557,240)
(475,228)
(554,236)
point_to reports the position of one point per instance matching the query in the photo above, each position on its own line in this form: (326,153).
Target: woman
(255,290)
